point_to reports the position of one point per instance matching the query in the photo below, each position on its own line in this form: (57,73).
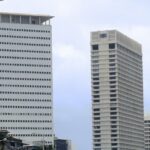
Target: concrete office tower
(147,132)
(26,76)
(117,92)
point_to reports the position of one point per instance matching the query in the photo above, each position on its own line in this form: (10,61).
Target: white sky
(74,19)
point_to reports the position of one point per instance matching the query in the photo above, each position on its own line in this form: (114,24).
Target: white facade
(147,132)
(26,76)
(117,92)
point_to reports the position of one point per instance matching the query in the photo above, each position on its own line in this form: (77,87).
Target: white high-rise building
(26,76)
(117,92)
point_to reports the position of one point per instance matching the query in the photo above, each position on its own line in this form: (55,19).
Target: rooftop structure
(18,18)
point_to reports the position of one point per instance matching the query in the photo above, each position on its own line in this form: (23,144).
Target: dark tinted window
(103,35)
(95,47)
(112,46)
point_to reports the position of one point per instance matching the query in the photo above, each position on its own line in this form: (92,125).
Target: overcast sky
(74,19)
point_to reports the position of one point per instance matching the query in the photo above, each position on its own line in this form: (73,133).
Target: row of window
(28,58)
(25,100)
(129,51)
(33,72)
(26,93)
(98,100)
(25,30)
(129,62)
(30,107)
(26,114)
(24,128)
(40,121)
(25,37)
(147,121)
(25,65)
(111,46)
(33,79)
(41,135)
(129,56)
(30,86)
(26,44)
(24,51)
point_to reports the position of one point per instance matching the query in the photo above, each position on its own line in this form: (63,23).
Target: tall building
(117,92)
(26,76)
(147,132)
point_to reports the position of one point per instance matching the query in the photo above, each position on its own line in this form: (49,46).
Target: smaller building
(8,142)
(44,147)
(62,144)
(147,132)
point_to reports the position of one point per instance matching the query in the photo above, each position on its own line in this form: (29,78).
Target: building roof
(25,14)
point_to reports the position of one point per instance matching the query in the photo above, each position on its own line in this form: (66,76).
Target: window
(25,20)
(34,20)
(112,46)
(96,79)
(113,100)
(103,35)
(97,144)
(113,108)
(97,114)
(112,78)
(96,87)
(113,117)
(111,60)
(95,96)
(95,74)
(112,95)
(96,118)
(112,73)
(96,83)
(114,135)
(112,91)
(95,92)
(97,131)
(5,18)
(113,113)
(15,19)
(114,144)
(113,131)
(96,109)
(113,126)
(95,47)
(112,82)
(111,65)
(113,86)
(111,56)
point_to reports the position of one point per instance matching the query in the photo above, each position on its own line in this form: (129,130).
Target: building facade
(117,92)
(26,76)
(147,132)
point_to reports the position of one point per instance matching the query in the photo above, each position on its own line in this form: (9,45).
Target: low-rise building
(62,144)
